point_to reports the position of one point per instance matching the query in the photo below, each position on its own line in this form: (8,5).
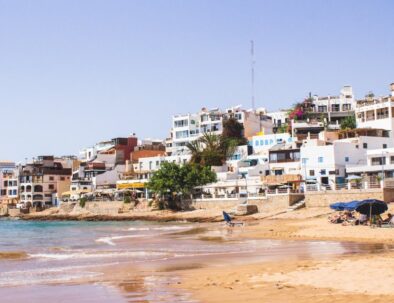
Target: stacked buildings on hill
(296,149)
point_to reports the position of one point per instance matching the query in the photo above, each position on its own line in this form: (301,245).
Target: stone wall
(324,199)
(108,208)
(14,212)
(271,203)
(3,210)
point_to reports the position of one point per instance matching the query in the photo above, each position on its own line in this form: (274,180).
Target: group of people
(353,218)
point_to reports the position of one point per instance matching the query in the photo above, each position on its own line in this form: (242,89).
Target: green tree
(349,122)
(214,150)
(233,130)
(172,180)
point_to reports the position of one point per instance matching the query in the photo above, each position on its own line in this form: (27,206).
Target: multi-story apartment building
(9,191)
(284,159)
(189,127)
(43,181)
(379,162)
(326,163)
(321,113)
(376,113)
(120,147)
(335,108)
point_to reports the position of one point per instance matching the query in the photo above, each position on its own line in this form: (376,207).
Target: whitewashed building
(190,127)
(378,162)
(377,112)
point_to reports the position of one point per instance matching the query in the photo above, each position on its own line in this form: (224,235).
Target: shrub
(127,199)
(82,202)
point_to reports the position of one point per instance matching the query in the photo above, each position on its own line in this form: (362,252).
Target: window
(204,118)
(346,159)
(182,134)
(51,178)
(320,159)
(312,173)
(62,178)
(384,145)
(304,160)
(257,142)
(181,123)
(261,142)
(335,107)
(322,108)
(323,172)
(51,186)
(392,160)
(346,107)
(382,113)
(365,145)
(378,161)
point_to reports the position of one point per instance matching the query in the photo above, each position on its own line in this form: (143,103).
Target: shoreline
(307,224)
(293,279)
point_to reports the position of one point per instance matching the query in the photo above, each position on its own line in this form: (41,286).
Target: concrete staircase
(296,206)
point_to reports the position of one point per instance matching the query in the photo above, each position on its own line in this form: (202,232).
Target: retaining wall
(324,199)
(109,208)
(271,203)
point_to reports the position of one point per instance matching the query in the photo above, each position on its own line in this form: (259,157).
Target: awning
(130,185)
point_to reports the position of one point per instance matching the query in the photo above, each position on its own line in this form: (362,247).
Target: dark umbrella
(371,207)
(340,206)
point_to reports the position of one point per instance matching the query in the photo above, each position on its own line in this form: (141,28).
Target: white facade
(279,118)
(189,127)
(147,166)
(378,162)
(90,153)
(327,163)
(264,142)
(376,114)
(335,105)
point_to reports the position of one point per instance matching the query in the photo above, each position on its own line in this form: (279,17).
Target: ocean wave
(139,228)
(163,228)
(109,240)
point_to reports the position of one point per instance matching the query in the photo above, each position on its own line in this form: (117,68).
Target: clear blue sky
(76,72)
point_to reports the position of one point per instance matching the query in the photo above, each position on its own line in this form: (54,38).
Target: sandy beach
(366,277)
(319,261)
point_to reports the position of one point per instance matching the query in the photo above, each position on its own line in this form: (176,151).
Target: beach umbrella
(341,206)
(371,207)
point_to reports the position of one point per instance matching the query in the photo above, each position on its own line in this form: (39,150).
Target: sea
(136,261)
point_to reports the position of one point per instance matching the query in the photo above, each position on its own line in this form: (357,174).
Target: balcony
(284,160)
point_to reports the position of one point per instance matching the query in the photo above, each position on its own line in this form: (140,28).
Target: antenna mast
(252,70)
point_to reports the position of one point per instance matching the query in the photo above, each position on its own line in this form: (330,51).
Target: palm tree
(212,149)
(195,150)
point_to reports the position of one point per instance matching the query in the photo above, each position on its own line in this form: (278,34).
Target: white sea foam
(110,240)
(139,228)
(164,228)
